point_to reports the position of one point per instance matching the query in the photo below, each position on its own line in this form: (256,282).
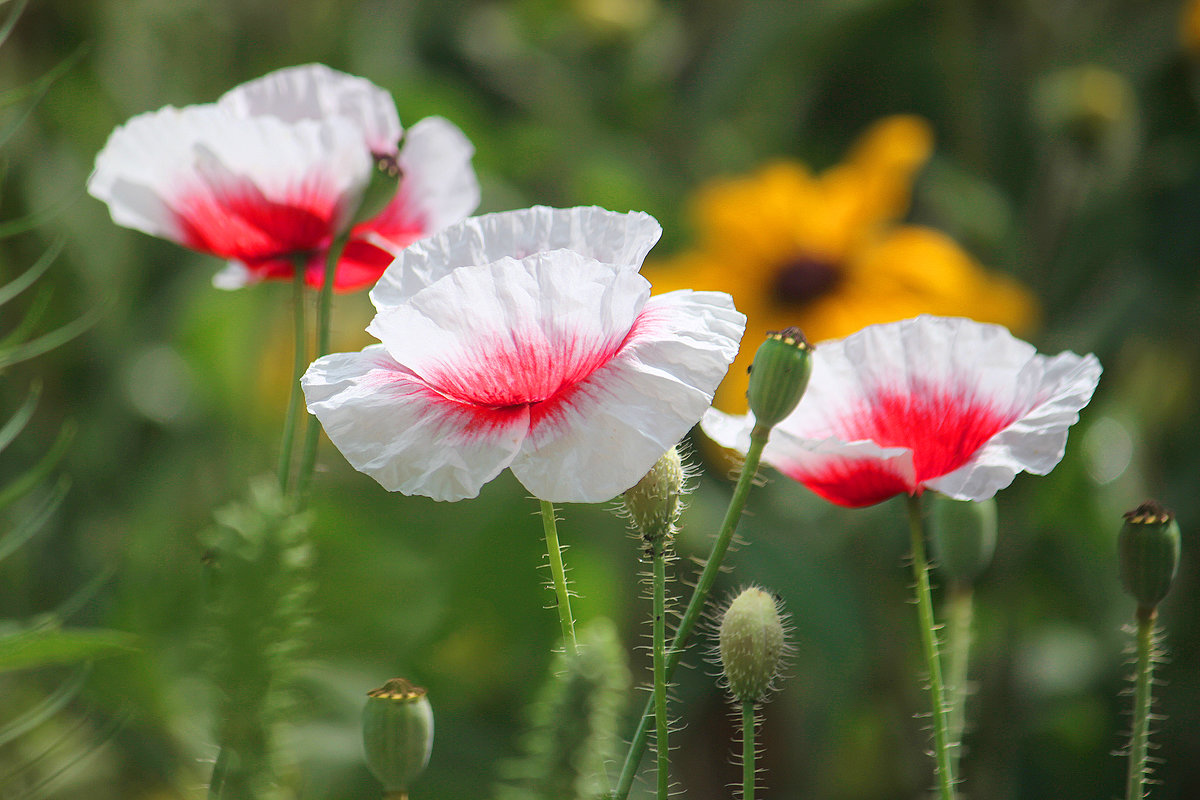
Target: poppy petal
(408,437)
(605,236)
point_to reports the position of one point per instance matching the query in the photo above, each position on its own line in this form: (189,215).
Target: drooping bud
(751,644)
(381,188)
(779,376)
(1148,548)
(397,725)
(963,533)
(654,503)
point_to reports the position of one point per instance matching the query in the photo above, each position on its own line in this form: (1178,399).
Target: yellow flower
(825,253)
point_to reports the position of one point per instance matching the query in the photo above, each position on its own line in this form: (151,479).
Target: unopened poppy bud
(381,188)
(397,734)
(963,533)
(751,644)
(1148,549)
(779,376)
(653,504)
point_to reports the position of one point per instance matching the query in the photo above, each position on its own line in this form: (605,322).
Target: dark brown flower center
(803,279)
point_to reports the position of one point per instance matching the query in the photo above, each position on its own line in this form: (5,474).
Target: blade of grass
(20,418)
(24,484)
(27,278)
(44,710)
(33,521)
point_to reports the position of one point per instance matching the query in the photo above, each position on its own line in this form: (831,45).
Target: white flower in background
(273,171)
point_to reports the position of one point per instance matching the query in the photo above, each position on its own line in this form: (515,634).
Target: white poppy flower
(552,363)
(276,168)
(942,403)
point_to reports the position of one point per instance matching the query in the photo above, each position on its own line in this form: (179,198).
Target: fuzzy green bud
(779,376)
(1148,549)
(751,644)
(654,503)
(963,533)
(381,188)
(397,725)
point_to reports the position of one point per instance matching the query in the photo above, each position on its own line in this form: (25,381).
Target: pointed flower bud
(751,644)
(380,189)
(654,503)
(963,533)
(779,376)
(1148,549)
(397,734)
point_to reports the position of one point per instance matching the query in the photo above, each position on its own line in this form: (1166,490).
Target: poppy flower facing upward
(525,340)
(272,172)
(939,403)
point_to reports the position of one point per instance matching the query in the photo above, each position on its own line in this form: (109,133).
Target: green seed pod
(751,644)
(654,503)
(397,734)
(1148,549)
(381,188)
(779,376)
(963,533)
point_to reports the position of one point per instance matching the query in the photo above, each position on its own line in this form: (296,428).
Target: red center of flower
(942,427)
(804,279)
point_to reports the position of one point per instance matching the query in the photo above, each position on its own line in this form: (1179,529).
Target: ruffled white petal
(514,331)
(606,236)
(439,186)
(156,162)
(392,427)
(1037,441)
(616,424)
(316,92)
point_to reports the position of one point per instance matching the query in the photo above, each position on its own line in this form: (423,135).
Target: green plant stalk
(559,576)
(741,492)
(960,610)
(929,644)
(312,435)
(661,734)
(749,751)
(1135,785)
(299,364)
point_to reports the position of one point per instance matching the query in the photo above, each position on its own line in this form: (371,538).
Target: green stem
(1138,742)
(554,551)
(660,668)
(637,747)
(216,783)
(299,364)
(929,644)
(959,613)
(312,434)
(749,753)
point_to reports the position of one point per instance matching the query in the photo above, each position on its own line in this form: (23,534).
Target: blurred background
(1057,153)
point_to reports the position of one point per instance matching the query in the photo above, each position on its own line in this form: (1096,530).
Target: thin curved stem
(299,363)
(559,576)
(960,610)
(661,734)
(929,644)
(1135,785)
(312,435)
(741,492)
(749,751)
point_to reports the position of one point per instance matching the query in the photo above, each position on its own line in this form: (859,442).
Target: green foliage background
(178,392)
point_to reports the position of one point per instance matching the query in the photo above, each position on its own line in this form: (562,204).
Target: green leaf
(26,279)
(33,521)
(50,705)
(49,341)
(25,483)
(20,418)
(39,647)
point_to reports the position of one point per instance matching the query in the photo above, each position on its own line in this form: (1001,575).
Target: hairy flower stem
(299,364)
(960,610)
(1138,742)
(637,747)
(660,668)
(559,575)
(312,435)
(749,750)
(929,644)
